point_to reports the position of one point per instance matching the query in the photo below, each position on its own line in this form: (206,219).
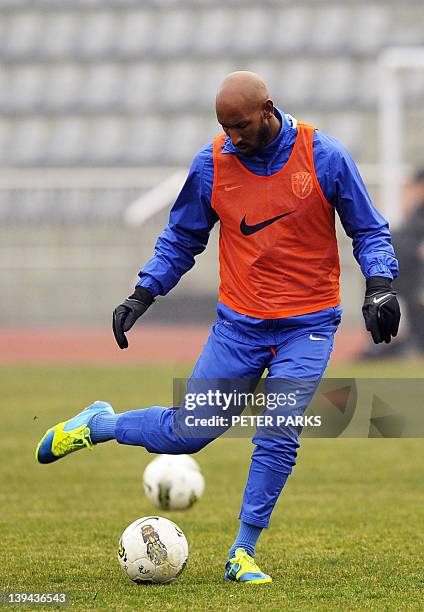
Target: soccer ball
(152,550)
(173,482)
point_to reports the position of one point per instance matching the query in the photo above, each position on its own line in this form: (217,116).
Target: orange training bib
(277,248)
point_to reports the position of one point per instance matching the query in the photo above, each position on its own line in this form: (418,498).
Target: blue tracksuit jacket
(192,217)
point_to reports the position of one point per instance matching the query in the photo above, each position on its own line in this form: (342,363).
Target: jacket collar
(284,139)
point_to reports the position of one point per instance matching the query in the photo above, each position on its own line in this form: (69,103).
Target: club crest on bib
(301,184)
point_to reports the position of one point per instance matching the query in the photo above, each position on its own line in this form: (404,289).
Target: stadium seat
(174,32)
(208,77)
(213,31)
(333,83)
(136,33)
(106,140)
(294,84)
(370,29)
(330,27)
(147,141)
(365,90)
(97,34)
(25,90)
(28,145)
(150,65)
(413,86)
(68,141)
(139,86)
(185,137)
(6,135)
(250,31)
(23,34)
(64,87)
(409,25)
(348,127)
(102,86)
(61,34)
(289,32)
(178,81)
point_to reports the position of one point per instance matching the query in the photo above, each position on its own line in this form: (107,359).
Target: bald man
(274,184)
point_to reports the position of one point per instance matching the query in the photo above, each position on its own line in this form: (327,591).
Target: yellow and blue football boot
(242,568)
(69,436)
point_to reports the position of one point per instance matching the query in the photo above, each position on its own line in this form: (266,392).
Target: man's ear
(268,109)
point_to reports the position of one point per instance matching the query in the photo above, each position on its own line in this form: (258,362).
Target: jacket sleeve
(343,187)
(186,235)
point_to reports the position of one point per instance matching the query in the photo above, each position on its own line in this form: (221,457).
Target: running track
(148,344)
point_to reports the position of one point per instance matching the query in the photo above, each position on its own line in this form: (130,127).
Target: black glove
(125,315)
(381,309)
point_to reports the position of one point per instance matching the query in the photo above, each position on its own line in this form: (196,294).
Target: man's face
(413,197)
(418,192)
(249,131)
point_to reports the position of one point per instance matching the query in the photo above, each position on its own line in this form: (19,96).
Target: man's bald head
(246,112)
(243,89)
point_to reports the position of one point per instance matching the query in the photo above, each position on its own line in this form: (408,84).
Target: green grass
(347,533)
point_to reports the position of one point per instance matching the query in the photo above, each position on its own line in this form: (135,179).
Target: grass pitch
(347,533)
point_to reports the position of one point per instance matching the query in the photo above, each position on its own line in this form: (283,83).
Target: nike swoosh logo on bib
(248,230)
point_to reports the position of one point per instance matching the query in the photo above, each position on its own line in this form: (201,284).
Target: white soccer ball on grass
(173,482)
(152,550)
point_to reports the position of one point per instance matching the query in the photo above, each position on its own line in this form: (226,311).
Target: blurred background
(102,102)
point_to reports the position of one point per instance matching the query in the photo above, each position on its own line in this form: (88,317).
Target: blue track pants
(294,350)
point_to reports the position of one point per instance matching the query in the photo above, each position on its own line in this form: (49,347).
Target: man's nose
(235,138)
